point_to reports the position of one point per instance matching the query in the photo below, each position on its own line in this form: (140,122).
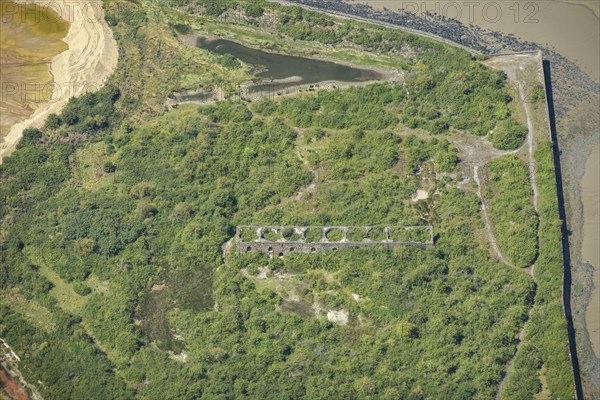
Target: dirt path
(478,153)
(91,58)
(530,149)
(312,187)
(532,180)
(486,219)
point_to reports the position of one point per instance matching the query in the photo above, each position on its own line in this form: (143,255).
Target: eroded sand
(30,37)
(590,249)
(90,59)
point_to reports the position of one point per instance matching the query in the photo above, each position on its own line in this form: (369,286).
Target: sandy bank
(90,59)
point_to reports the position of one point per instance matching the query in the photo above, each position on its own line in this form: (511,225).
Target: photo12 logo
(35,93)
(267,90)
(466,11)
(50,12)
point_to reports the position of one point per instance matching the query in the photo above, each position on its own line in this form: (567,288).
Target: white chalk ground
(181,357)
(357,297)
(420,195)
(90,59)
(339,317)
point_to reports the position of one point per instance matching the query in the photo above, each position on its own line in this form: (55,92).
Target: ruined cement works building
(279,240)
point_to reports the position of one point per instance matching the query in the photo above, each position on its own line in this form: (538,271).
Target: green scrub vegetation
(509,196)
(114,218)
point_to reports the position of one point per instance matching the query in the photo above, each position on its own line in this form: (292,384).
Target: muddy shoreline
(590,193)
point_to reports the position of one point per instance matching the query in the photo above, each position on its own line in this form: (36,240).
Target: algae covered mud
(50,53)
(30,36)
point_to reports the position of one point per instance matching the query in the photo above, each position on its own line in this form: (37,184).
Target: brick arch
(302,246)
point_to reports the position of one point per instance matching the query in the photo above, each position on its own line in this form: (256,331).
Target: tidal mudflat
(590,252)
(30,36)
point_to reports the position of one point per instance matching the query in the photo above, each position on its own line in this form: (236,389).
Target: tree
(30,136)
(52,122)
(109,167)
(229,61)
(69,116)
(508,135)
(253,10)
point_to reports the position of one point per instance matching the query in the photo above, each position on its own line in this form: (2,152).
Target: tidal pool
(286,70)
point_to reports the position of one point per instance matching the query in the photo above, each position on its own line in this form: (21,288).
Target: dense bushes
(364,108)
(104,226)
(254,9)
(510,199)
(441,152)
(133,221)
(524,381)
(229,61)
(508,135)
(446,88)
(240,169)
(92,111)
(545,337)
(65,359)
(30,136)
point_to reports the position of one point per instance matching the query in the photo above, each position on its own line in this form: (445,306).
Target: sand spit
(91,58)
